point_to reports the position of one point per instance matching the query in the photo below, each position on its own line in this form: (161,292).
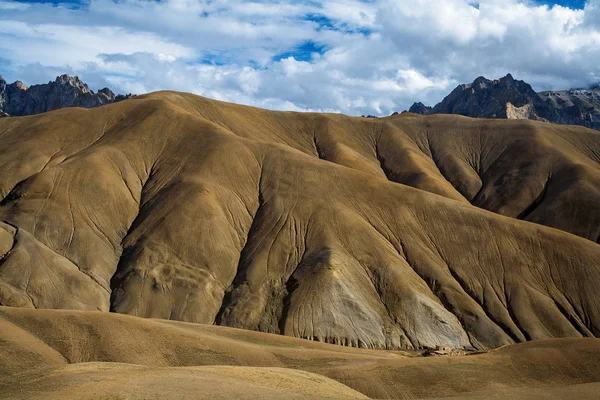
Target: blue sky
(350,56)
(566,3)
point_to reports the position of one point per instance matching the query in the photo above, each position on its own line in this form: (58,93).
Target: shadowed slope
(178,207)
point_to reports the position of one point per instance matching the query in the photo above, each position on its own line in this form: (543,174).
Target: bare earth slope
(178,207)
(56,354)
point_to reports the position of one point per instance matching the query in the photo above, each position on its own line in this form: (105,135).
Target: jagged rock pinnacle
(17,99)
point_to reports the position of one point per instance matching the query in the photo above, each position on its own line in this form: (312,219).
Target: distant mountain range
(16,99)
(514,99)
(505,98)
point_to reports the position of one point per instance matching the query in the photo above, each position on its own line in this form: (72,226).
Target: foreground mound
(118,381)
(178,207)
(73,354)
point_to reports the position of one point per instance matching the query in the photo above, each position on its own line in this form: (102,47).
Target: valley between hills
(60,354)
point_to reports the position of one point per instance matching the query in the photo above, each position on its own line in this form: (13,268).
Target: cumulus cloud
(355,57)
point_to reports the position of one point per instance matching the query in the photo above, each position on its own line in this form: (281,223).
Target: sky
(356,57)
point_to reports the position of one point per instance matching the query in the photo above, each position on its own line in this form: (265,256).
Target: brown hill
(178,207)
(56,354)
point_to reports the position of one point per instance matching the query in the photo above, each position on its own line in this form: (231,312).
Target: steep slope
(73,355)
(178,207)
(488,99)
(576,107)
(16,99)
(515,99)
(542,173)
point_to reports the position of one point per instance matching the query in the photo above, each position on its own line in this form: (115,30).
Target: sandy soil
(74,354)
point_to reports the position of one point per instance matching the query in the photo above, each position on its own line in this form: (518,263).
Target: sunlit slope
(71,354)
(522,169)
(178,207)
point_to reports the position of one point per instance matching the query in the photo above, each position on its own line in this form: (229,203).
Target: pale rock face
(525,112)
(17,99)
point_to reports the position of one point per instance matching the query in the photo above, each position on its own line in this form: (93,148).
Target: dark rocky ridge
(514,99)
(420,108)
(16,99)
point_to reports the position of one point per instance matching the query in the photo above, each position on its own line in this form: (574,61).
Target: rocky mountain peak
(510,98)
(107,92)
(16,99)
(73,81)
(480,83)
(486,98)
(20,85)
(508,80)
(419,108)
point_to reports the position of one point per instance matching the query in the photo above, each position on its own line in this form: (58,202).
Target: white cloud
(55,45)
(6,5)
(376,56)
(453,38)
(454,21)
(350,12)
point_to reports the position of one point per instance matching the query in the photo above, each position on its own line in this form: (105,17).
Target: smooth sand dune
(370,233)
(125,381)
(74,354)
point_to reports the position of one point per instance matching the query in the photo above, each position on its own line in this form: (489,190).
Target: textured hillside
(178,207)
(56,354)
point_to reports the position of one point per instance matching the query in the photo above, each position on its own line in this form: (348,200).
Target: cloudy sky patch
(349,56)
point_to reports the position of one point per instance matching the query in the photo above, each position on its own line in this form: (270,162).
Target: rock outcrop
(420,108)
(16,99)
(514,99)
(573,107)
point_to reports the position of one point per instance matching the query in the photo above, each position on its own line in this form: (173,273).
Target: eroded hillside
(365,232)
